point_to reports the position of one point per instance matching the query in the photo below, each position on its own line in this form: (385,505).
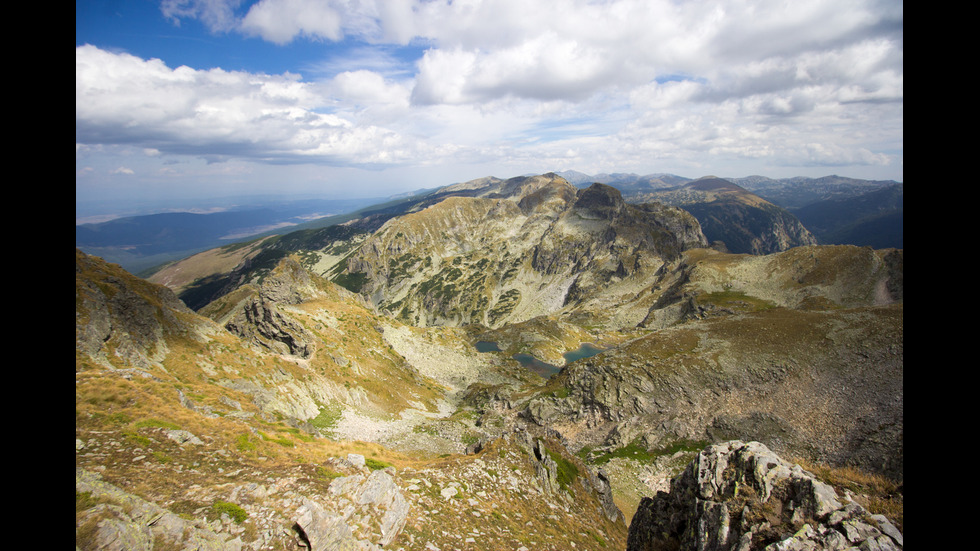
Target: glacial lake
(543,369)
(487,346)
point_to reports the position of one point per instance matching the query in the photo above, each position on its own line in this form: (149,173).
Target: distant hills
(141,242)
(831,209)
(874,218)
(733,217)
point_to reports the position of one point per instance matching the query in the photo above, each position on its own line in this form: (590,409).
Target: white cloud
(608,84)
(122,99)
(280,21)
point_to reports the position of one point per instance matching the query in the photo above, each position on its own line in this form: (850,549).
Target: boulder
(741,496)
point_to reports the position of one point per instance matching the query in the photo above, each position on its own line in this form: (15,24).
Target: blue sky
(182,100)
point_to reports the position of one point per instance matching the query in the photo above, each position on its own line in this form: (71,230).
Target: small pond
(487,346)
(543,369)
(586,350)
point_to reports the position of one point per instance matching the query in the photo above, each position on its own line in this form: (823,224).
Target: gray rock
(356,459)
(183,437)
(889,529)
(127,522)
(321,529)
(738,495)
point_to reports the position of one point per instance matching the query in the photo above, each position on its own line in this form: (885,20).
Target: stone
(356,459)
(727,496)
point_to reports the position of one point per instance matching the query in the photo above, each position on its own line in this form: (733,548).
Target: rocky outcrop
(367,513)
(124,320)
(262,323)
(262,318)
(119,521)
(825,385)
(743,221)
(741,496)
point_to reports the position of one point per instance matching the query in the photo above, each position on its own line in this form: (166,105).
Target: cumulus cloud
(280,21)
(123,99)
(813,82)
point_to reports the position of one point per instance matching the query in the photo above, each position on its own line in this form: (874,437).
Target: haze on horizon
(182,100)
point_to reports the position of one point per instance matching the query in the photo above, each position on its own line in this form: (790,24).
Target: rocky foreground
(738,496)
(515,493)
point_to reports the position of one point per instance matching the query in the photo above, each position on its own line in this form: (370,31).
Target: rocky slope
(768,376)
(522,248)
(741,496)
(122,320)
(743,221)
(218,440)
(803,361)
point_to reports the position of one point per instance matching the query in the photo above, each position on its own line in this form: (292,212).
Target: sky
(177,101)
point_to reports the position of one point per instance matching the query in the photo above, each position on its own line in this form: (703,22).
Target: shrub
(376,464)
(233,511)
(243,443)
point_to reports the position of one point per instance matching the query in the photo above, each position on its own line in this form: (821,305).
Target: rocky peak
(742,496)
(521,186)
(263,316)
(289,283)
(599,201)
(555,195)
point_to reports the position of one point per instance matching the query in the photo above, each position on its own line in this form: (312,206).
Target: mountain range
(141,243)
(365,385)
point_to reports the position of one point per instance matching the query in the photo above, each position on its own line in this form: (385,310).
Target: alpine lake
(543,369)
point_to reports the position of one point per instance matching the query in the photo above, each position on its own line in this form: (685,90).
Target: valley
(366,385)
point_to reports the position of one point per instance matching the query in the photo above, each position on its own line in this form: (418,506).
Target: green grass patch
(162,457)
(567,471)
(328,417)
(244,444)
(636,451)
(138,439)
(376,464)
(327,474)
(233,511)
(285,442)
(560,393)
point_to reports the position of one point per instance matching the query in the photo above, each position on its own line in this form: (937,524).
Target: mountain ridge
(529,242)
(330,387)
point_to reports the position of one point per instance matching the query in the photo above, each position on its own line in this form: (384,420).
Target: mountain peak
(600,200)
(711,183)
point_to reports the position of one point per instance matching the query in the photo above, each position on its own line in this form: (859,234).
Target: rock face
(124,522)
(120,318)
(745,222)
(741,496)
(374,505)
(826,385)
(262,317)
(521,248)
